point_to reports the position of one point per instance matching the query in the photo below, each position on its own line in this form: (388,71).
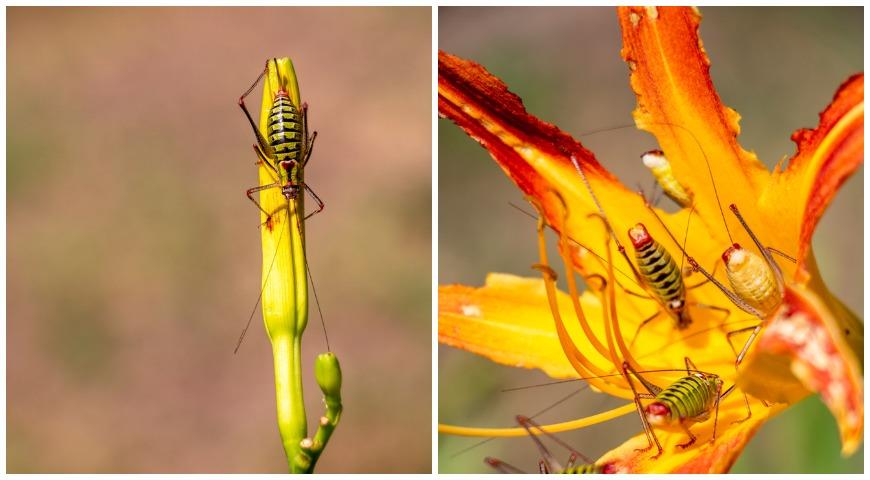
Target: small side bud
(327,371)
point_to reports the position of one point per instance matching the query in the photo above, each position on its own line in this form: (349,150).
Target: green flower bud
(328,374)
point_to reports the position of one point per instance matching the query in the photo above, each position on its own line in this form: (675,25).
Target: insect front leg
(748,410)
(746,345)
(692,438)
(715,308)
(647,428)
(690,366)
(705,281)
(251,191)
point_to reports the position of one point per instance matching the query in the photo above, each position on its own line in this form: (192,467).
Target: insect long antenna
(728,293)
(592,194)
(572,240)
(712,180)
(260,296)
(686,238)
(317,302)
(537,414)
(709,169)
(311,277)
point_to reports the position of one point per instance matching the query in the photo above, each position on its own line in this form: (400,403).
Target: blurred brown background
(134,256)
(778,67)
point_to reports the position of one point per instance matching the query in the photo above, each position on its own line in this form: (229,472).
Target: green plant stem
(288,389)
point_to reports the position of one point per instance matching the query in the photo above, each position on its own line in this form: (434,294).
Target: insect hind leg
(501,466)
(641,325)
(260,139)
(530,424)
(273,170)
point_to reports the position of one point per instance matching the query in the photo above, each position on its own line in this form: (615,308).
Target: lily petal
(803,339)
(678,104)
(826,157)
(508,321)
(537,156)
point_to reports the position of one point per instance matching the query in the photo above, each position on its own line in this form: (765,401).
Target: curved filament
(553,428)
(579,361)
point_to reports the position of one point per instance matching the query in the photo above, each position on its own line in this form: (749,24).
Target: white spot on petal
(471,311)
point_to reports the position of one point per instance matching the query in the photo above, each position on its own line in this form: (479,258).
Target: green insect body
(692,397)
(583,469)
(661,169)
(660,273)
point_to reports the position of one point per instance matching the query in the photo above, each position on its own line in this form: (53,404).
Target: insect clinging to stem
(287,149)
(284,152)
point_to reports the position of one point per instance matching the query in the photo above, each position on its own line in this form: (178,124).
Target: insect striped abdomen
(656,265)
(689,397)
(285,129)
(582,469)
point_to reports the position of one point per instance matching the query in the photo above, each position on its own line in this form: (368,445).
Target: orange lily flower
(810,343)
